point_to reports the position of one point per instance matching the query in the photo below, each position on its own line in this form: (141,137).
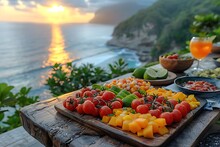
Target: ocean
(28,51)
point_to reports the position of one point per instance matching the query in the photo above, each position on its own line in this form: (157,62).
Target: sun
(56,9)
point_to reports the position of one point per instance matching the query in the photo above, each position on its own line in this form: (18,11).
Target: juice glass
(200,47)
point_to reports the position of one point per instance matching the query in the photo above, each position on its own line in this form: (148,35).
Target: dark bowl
(175,65)
(217,63)
(179,82)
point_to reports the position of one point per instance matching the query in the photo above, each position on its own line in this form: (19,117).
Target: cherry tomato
(160,99)
(96,112)
(77,94)
(94,93)
(143,109)
(168,116)
(150,98)
(138,94)
(116,105)
(173,102)
(88,107)
(89,98)
(79,109)
(118,99)
(135,103)
(160,108)
(87,94)
(101,101)
(95,101)
(182,109)
(71,103)
(155,113)
(108,95)
(104,111)
(177,115)
(84,90)
(186,104)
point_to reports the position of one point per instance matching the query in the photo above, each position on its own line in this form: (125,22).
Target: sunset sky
(52,11)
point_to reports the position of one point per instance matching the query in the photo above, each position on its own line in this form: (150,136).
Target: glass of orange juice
(200,47)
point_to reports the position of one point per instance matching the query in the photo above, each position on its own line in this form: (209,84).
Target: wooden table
(44,123)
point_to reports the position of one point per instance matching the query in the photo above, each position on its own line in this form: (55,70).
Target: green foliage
(9,100)
(67,78)
(206,25)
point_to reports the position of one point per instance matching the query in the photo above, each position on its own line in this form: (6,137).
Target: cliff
(162,27)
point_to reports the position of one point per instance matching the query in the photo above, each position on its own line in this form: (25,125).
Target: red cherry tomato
(87,94)
(84,90)
(173,102)
(138,94)
(88,107)
(104,111)
(160,99)
(150,98)
(89,98)
(77,94)
(143,109)
(96,112)
(177,115)
(168,116)
(116,105)
(186,104)
(155,113)
(108,95)
(135,103)
(94,92)
(79,109)
(118,99)
(71,103)
(182,109)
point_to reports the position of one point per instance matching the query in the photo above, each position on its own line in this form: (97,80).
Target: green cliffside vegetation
(167,20)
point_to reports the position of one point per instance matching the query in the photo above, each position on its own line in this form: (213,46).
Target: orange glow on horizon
(55,14)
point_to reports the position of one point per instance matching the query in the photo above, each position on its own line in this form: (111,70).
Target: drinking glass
(200,47)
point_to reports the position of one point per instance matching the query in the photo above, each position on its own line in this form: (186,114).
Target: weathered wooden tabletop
(44,123)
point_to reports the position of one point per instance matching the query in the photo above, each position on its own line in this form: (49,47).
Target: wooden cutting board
(130,138)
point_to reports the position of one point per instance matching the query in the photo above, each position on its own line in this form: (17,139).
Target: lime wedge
(162,73)
(139,72)
(150,74)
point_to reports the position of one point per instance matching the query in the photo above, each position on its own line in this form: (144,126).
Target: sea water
(28,51)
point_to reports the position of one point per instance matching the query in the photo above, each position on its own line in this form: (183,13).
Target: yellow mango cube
(140,133)
(134,127)
(161,122)
(142,122)
(148,132)
(105,119)
(125,126)
(119,121)
(163,130)
(112,121)
(155,126)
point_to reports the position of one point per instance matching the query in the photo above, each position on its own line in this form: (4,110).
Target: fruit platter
(131,110)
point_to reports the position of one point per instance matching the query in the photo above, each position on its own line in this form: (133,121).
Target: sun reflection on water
(57,53)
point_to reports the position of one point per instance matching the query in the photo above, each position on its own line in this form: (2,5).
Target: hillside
(161,27)
(114,14)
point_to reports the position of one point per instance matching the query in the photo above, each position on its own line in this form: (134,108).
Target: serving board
(130,138)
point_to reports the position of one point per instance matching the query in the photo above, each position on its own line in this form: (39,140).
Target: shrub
(69,77)
(9,100)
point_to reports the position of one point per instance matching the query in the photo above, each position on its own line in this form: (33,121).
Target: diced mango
(146,116)
(163,130)
(112,121)
(155,126)
(134,116)
(191,98)
(140,133)
(119,121)
(125,125)
(148,132)
(118,112)
(105,119)
(127,117)
(134,127)
(161,122)
(152,118)
(142,122)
